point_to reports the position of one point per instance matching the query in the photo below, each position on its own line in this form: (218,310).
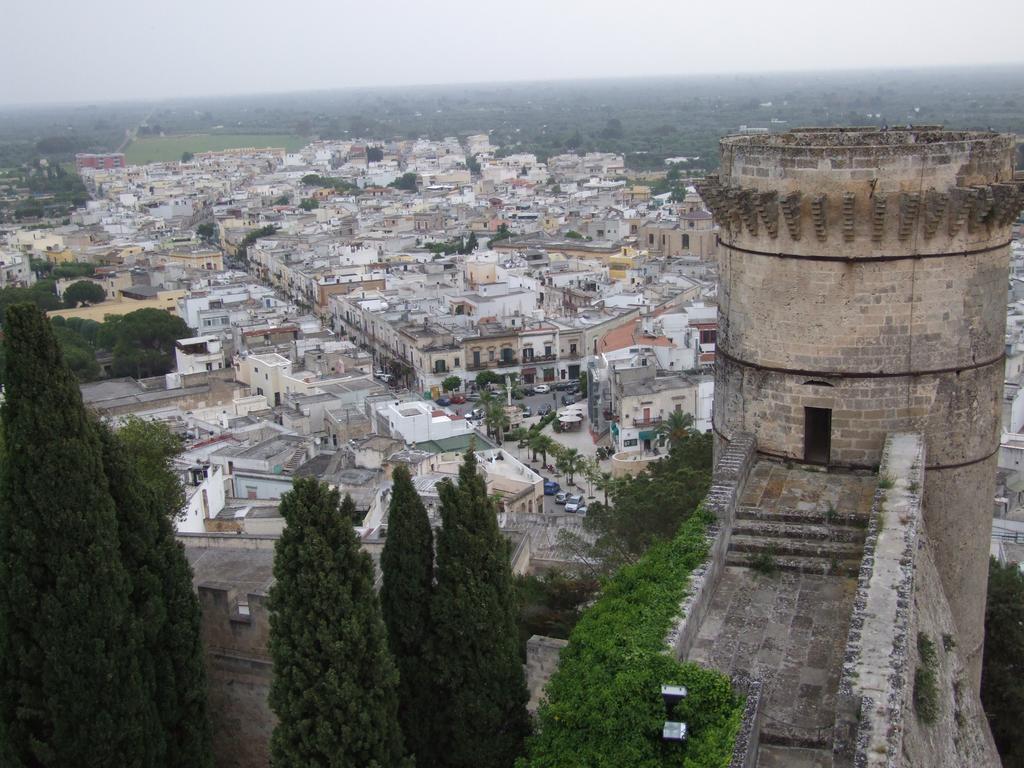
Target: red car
(457,399)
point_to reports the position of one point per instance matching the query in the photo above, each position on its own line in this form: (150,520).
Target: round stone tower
(863,290)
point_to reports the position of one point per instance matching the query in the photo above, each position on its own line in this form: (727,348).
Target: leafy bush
(604,706)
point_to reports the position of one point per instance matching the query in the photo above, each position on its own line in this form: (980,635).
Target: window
(572,349)
(456,362)
(547,350)
(650,239)
(708,335)
(490,355)
(686,240)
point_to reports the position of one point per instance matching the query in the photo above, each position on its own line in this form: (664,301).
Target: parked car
(541,389)
(527,390)
(443,400)
(457,399)
(544,410)
(569,399)
(527,413)
(561,497)
(564,385)
(572,504)
(551,487)
(581,509)
(476,414)
(472,397)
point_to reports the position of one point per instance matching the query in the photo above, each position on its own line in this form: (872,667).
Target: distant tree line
(329,182)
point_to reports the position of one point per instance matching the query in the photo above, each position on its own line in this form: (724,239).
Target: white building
(198,354)
(420,421)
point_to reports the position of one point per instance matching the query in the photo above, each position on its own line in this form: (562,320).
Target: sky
(59,51)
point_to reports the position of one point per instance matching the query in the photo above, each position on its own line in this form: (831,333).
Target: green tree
(407,565)
(570,461)
(645,509)
(469,245)
(309,204)
(84,292)
(207,231)
(142,341)
(495,417)
(572,234)
(675,428)
(481,693)
(451,383)
(148,496)
(187,157)
(152,446)
(542,444)
(406,181)
(79,353)
(486,378)
(334,687)
(503,233)
(1002,673)
(71,690)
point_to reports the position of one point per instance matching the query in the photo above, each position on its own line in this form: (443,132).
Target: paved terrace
(789,627)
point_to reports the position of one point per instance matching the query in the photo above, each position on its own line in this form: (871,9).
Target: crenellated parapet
(841,216)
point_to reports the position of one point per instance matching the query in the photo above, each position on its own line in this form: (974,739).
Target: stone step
(802,547)
(822,566)
(799,516)
(807,531)
(796,737)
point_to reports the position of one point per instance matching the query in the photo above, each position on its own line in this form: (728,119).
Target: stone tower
(863,291)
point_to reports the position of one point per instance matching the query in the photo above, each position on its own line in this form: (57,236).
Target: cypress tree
(407,563)
(148,495)
(70,686)
(334,688)
(481,691)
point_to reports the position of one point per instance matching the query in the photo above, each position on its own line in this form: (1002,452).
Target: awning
(648,434)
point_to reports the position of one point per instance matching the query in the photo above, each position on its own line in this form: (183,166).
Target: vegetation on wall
(926,693)
(604,706)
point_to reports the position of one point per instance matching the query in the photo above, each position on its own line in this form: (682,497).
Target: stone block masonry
(875,305)
(899,598)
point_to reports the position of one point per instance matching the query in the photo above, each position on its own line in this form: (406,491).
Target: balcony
(650,421)
(483,365)
(539,359)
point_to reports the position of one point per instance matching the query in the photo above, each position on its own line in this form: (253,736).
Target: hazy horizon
(114,51)
(553,81)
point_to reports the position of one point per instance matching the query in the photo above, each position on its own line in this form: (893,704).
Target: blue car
(551,487)
(443,400)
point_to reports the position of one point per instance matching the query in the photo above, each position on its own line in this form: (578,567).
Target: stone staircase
(297,458)
(820,541)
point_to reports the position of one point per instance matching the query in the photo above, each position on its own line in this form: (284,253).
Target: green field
(154,149)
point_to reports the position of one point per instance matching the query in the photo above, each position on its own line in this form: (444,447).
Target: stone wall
(731,471)
(239,673)
(899,594)
(745,749)
(542,654)
(864,272)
